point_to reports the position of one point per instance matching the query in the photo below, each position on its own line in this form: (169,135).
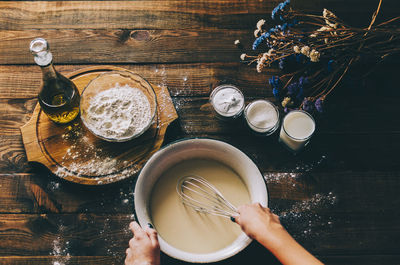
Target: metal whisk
(203,197)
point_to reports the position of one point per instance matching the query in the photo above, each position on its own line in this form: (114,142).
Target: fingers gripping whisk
(202,196)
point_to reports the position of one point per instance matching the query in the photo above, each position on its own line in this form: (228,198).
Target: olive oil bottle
(58,97)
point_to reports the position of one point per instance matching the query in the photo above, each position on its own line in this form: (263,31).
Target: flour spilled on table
(116,239)
(304,218)
(307,167)
(60,248)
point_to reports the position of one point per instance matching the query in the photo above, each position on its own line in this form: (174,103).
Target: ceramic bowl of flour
(171,157)
(118,106)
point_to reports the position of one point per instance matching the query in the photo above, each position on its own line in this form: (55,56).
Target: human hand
(143,247)
(262,225)
(258,222)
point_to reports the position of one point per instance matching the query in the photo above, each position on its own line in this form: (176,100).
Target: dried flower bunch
(315,52)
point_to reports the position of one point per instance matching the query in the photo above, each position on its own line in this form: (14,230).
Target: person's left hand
(143,247)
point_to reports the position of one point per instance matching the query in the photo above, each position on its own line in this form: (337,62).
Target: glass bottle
(58,97)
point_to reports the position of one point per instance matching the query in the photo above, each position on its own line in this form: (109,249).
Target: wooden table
(340,198)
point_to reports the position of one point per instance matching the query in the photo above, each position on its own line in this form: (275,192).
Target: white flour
(228,101)
(119,112)
(261,116)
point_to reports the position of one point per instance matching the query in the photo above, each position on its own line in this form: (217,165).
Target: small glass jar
(262,117)
(227,101)
(297,128)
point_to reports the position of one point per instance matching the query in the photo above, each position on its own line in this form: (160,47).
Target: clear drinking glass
(262,116)
(227,101)
(297,129)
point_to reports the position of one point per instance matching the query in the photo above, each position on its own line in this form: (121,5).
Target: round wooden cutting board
(72,152)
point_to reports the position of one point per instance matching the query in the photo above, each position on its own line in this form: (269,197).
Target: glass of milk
(297,128)
(227,101)
(262,117)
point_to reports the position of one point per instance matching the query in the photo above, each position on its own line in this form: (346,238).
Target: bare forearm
(260,224)
(286,249)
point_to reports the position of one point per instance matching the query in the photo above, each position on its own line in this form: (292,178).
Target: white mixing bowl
(198,148)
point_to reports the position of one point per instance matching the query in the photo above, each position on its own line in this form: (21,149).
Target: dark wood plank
(127,46)
(192,79)
(76,235)
(134,14)
(108,260)
(171,14)
(43,192)
(12,154)
(15,113)
(54,260)
(355,193)
(360,260)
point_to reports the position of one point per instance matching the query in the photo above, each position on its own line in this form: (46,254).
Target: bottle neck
(49,72)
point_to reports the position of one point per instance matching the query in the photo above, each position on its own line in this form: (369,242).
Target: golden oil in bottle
(58,97)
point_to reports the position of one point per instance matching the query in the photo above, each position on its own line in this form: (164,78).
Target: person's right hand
(262,225)
(258,222)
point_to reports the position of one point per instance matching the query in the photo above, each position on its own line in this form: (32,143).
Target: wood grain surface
(339,198)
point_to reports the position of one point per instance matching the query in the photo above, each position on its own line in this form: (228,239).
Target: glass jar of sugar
(297,128)
(262,117)
(227,101)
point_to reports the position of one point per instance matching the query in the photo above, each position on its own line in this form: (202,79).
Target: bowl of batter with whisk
(185,232)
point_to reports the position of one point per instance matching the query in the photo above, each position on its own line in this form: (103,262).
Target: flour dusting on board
(93,160)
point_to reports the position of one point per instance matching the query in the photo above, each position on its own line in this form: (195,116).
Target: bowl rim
(235,247)
(120,72)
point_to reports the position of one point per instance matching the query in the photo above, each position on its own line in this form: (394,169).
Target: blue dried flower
(281,63)
(275,82)
(276,93)
(292,88)
(273,30)
(278,10)
(303,81)
(319,105)
(308,105)
(286,109)
(260,39)
(274,11)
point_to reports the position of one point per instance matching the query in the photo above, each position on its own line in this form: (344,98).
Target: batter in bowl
(183,227)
